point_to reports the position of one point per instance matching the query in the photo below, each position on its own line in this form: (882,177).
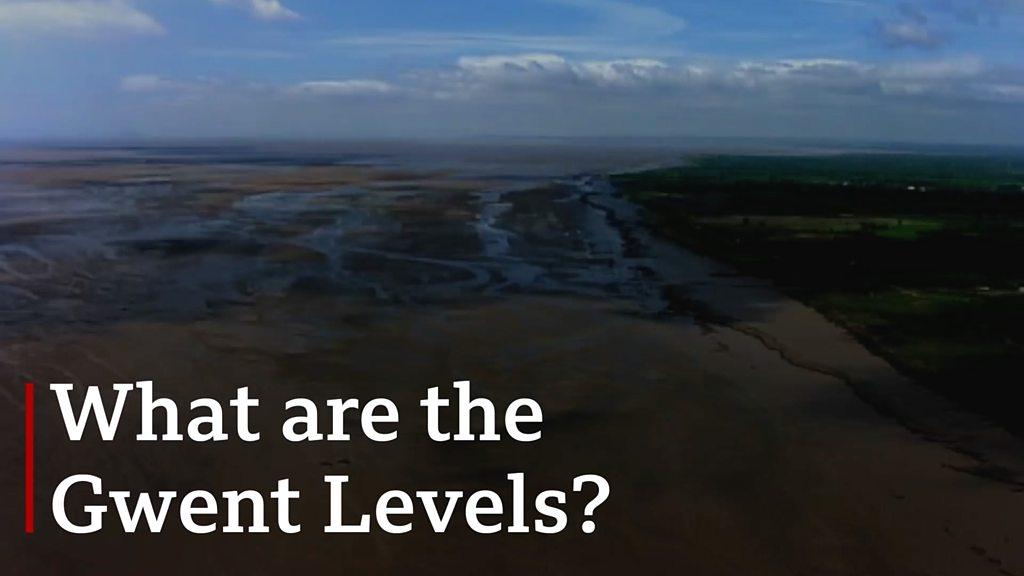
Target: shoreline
(852,275)
(717,436)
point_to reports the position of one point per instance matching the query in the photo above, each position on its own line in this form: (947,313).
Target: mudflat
(740,433)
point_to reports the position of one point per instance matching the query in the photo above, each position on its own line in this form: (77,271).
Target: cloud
(791,82)
(527,69)
(946,70)
(937,99)
(952,80)
(75,17)
(522,74)
(144,83)
(420,41)
(540,78)
(156,88)
(626,29)
(978,11)
(152,83)
(624,72)
(243,53)
(909,34)
(358,87)
(910,28)
(549,72)
(929,24)
(555,76)
(262,9)
(631,17)
(213,88)
(516,69)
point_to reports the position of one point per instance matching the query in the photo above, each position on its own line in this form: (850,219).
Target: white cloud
(632,17)
(263,9)
(528,69)
(1005,92)
(946,70)
(546,85)
(782,78)
(792,68)
(929,24)
(624,72)
(154,83)
(516,68)
(178,91)
(540,93)
(624,29)
(964,79)
(213,88)
(82,17)
(554,72)
(909,34)
(358,87)
(793,81)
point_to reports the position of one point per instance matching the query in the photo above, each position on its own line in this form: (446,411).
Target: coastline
(725,426)
(917,275)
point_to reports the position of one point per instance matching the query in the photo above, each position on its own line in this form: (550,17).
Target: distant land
(917,255)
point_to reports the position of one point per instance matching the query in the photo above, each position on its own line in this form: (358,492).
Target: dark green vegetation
(921,257)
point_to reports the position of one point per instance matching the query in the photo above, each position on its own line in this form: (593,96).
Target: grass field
(921,257)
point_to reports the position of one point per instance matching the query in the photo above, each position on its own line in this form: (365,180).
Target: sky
(939,71)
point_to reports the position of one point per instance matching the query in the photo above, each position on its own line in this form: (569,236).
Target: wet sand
(741,433)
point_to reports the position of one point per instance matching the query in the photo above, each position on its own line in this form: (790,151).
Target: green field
(920,257)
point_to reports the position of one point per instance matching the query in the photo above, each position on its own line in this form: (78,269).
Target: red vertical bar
(30,457)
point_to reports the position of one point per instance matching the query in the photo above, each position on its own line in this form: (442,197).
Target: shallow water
(160,234)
